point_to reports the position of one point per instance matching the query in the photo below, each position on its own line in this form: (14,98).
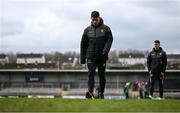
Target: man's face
(95,21)
(156,45)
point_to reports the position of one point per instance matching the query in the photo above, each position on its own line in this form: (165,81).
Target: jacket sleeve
(84,45)
(164,62)
(109,41)
(149,60)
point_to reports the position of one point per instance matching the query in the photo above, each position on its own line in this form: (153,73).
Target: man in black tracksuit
(156,63)
(95,45)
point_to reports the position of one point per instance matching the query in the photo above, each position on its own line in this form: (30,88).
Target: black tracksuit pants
(92,64)
(152,81)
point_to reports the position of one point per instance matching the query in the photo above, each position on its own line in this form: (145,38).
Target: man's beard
(156,48)
(95,23)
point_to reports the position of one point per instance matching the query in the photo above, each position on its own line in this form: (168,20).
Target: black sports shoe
(101,96)
(89,95)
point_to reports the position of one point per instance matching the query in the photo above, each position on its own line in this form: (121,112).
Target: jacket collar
(159,50)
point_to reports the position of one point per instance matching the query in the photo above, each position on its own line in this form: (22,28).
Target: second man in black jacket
(156,63)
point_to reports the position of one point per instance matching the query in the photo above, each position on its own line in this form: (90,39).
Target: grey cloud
(135,23)
(10,28)
(165,7)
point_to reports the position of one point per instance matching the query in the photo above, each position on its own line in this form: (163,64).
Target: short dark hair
(95,14)
(157,41)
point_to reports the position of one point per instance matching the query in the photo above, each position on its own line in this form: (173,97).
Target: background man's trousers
(92,65)
(153,79)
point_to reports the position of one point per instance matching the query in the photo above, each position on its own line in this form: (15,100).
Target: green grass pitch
(86,105)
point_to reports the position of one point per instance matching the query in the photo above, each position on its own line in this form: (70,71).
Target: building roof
(31,55)
(131,56)
(173,56)
(2,56)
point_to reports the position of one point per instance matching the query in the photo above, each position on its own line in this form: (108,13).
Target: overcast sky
(57,25)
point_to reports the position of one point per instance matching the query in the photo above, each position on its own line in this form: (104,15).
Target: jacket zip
(94,43)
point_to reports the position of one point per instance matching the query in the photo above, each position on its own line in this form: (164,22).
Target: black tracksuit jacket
(96,42)
(157,61)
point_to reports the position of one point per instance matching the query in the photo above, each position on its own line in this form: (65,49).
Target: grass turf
(84,105)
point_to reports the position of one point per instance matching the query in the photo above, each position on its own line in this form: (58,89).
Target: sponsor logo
(102,30)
